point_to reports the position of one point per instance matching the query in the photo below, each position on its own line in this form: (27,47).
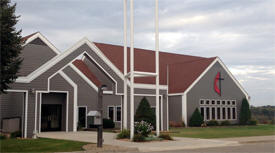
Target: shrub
(16,134)
(145,113)
(252,122)
(212,123)
(2,137)
(108,123)
(165,136)
(143,128)
(123,134)
(245,114)
(196,118)
(139,138)
(225,123)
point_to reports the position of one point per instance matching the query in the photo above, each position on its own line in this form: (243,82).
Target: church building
(56,90)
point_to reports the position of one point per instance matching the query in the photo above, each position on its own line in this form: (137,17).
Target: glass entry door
(51,117)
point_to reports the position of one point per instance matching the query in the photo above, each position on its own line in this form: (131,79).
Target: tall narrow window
(234,113)
(207,102)
(213,102)
(118,113)
(82,117)
(228,113)
(111,112)
(202,102)
(223,113)
(218,113)
(213,113)
(202,112)
(207,113)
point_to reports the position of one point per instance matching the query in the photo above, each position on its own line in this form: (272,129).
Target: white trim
(64,54)
(44,39)
(67,78)
(67,106)
(114,80)
(150,86)
(233,78)
(26,108)
(184,109)
(84,77)
(86,107)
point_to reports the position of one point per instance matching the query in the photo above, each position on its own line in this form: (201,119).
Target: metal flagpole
(132,69)
(125,68)
(157,66)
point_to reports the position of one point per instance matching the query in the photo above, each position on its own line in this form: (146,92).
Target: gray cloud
(241,32)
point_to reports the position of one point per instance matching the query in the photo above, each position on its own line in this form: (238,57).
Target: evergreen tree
(196,118)
(245,114)
(145,113)
(11,45)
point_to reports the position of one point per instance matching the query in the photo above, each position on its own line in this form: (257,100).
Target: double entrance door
(51,117)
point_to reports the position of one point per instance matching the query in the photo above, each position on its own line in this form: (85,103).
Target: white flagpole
(132,68)
(157,66)
(125,67)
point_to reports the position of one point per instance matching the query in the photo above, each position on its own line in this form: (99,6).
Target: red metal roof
(85,70)
(183,69)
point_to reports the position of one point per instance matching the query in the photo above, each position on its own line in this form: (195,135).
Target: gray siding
(175,108)
(100,75)
(11,105)
(34,55)
(204,89)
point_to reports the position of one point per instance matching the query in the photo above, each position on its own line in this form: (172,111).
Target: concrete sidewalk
(109,138)
(251,139)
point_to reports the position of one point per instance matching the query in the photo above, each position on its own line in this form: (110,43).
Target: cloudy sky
(240,32)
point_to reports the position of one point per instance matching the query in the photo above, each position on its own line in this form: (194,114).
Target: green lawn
(40,145)
(223,132)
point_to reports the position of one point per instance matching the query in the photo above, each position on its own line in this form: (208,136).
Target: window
(228,102)
(207,102)
(234,113)
(202,112)
(229,113)
(218,113)
(114,113)
(202,102)
(233,102)
(223,113)
(218,102)
(111,112)
(118,113)
(213,102)
(207,113)
(82,117)
(223,102)
(213,113)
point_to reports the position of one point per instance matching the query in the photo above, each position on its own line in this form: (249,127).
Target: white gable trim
(61,56)
(205,71)
(84,77)
(69,80)
(44,39)
(233,78)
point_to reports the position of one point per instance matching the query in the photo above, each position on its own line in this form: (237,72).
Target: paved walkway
(109,138)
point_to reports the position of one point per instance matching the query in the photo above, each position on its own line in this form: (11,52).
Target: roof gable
(183,69)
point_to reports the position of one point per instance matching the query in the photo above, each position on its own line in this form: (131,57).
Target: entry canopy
(93,113)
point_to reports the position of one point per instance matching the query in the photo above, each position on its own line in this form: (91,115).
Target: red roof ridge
(87,72)
(192,61)
(149,50)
